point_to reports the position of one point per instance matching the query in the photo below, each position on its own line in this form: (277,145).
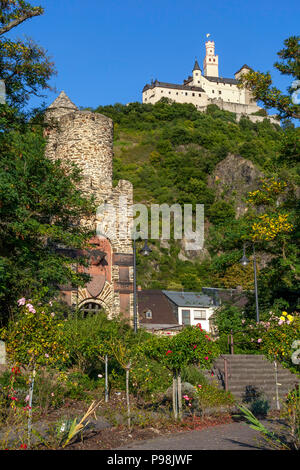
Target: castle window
(176,92)
(185,93)
(162,91)
(90,308)
(169,92)
(199,94)
(212,91)
(193,94)
(198,81)
(220,92)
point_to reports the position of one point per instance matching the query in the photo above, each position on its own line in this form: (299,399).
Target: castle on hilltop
(208,88)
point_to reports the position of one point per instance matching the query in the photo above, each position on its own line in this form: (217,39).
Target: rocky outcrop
(233,178)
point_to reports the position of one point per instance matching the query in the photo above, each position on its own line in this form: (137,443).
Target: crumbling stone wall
(86,139)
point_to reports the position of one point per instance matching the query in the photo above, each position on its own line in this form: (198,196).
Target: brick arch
(105,298)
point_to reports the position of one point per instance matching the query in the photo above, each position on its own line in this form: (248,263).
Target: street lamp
(145,251)
(244,261)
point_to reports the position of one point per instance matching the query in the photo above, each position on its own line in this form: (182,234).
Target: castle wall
(197,98)
(235,107)
(86,139)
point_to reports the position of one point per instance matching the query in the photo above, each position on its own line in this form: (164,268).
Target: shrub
(87,339)
(209,395)
(193,375)
(278,340)
(35,336)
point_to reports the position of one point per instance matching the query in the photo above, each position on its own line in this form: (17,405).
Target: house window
(186,317)
(199,314)
(148,314)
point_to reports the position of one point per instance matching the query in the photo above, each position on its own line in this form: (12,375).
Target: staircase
(250,375)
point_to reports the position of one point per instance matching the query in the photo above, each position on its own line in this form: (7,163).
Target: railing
(226,370)
(230,340)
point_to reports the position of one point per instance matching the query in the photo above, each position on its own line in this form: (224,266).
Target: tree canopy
(40,205)
(24,65)
(261,84)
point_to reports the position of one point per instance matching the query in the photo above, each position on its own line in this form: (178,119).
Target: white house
(192,308)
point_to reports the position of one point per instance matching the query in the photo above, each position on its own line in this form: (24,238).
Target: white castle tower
(211,61)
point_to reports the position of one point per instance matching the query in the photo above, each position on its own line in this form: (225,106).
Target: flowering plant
(35,336)
(278,339)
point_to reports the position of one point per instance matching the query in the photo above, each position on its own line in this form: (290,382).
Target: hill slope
(174,154)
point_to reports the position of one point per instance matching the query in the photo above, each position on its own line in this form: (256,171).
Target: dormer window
(148,314)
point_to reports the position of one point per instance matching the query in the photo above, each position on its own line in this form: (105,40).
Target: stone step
(255,381)
(249,362)
(266,385)
(242,356)
(254,371)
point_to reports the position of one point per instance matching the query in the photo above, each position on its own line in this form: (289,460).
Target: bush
(35,337)
(87,339)
(210,396)
(277,341)
(193,375)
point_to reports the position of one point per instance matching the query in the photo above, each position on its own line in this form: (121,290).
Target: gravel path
(233,436)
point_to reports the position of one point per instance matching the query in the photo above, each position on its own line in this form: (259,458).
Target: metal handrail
(225,371)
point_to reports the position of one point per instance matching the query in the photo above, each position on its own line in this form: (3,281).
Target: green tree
(260,84)
(24,65)
(39,207)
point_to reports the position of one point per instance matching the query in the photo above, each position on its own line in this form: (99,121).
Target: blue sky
(105,52)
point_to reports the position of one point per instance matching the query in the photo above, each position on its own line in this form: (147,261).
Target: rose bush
(35,336)
(278,339)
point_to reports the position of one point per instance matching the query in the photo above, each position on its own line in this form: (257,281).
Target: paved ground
(233,436)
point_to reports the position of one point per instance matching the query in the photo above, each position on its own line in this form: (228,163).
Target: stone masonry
(86,139)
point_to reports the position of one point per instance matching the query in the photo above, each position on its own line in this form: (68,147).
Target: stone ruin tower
(86,138)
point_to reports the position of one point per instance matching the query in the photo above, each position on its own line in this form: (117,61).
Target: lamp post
(146,250)
(244,261)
